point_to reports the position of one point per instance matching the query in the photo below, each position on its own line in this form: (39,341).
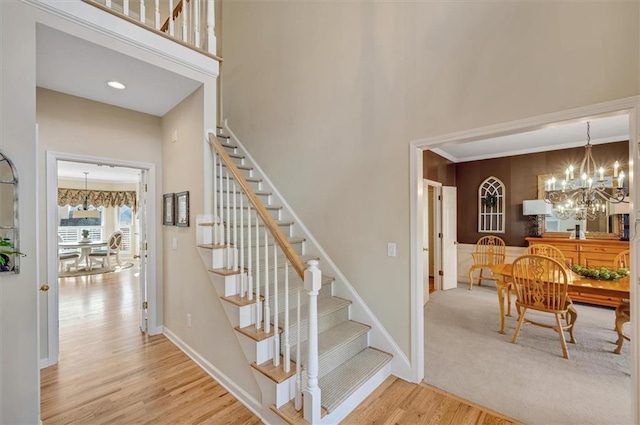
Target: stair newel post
(215,178)
(172,27)
(298,399)
(312,284)
(249,272)
(287,346)
(258,305)
(267,306)
(276,334)
(142,11)
(228,226)
(235,229)
(125,7)
(241,251)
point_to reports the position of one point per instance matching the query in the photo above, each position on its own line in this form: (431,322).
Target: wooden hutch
(588,253)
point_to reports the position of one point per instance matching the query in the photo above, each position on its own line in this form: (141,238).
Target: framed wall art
(182,209)
(168,209)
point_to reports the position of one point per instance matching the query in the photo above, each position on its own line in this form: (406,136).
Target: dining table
(618,288)
(85,249)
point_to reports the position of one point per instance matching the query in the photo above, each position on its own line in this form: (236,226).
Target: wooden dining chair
(541,284)
(546,250)
(623,310)
(489,251)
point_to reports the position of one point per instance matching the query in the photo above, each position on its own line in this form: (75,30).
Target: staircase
(298,337)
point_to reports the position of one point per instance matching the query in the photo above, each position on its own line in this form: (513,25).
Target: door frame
(417,198)
(51,320)
(437,228)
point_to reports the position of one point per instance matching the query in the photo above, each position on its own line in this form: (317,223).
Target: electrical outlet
(188,319)
(391,249)
(174,244)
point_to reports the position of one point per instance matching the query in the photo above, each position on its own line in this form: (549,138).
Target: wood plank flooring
(110,373)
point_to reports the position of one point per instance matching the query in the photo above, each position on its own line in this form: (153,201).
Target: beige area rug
(98,270)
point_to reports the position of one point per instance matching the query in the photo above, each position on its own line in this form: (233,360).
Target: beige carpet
(96,270)
(529,381)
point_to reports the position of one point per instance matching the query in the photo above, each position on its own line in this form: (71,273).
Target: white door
(449,236)
(142,218)
(425,242)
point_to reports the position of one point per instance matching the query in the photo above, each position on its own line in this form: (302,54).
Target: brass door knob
(44,287)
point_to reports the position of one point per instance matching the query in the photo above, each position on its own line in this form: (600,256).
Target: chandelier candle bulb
(615,169)
(601,170)
(620,179)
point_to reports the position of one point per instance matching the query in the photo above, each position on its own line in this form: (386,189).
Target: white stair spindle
(298,399)
(142,12)
(276,339)
(184,21)
(125,7)
(215,187)
(267,307)
(156,15)
(243,288)
(312,394)
(249,272)
(287,345)
(211,22)
(235,230)
(196,23)
(228,227)
(172,24)
(221,214)
(258,305)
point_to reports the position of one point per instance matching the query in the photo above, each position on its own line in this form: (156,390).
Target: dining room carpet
(96,270)
(529,381)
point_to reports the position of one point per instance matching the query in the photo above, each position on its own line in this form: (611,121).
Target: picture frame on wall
(168,209)
(182,209)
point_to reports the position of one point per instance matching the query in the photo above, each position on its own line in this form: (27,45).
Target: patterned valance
(98,198)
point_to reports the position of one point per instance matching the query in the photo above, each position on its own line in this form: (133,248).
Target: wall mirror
(9,242)
(605,226)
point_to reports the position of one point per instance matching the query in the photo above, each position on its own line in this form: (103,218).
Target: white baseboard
(44,363)
(251,403)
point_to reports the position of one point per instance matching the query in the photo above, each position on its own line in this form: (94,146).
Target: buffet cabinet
(588,253)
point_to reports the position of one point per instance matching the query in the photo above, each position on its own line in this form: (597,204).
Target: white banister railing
(191,16)
(268,253)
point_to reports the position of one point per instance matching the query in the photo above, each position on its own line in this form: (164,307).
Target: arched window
(491,206)
(9,249)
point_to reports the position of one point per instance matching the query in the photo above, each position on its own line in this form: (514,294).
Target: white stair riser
(256,352)
(276,394)
(241,316)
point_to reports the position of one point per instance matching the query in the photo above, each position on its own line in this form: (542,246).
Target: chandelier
(587,196)
(85,212)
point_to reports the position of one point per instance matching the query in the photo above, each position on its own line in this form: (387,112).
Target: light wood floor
(109,373)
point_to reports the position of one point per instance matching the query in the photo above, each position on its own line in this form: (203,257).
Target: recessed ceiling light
(116,85)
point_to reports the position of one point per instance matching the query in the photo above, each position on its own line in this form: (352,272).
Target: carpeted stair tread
(343,381)
(333,339)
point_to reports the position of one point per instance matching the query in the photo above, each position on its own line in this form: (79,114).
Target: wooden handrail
(174,15)
(152,29)
(268,221)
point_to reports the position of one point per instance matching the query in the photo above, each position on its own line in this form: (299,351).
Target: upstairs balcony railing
(187,22)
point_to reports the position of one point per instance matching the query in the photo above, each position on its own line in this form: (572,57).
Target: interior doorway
(628,107)
(144,184)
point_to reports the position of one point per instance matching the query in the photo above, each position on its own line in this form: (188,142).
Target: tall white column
(312,394)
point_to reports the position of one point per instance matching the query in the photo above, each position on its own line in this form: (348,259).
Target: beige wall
(328,95)
(187,285)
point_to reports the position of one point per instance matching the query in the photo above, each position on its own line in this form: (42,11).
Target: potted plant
(6,251)
(85,235)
